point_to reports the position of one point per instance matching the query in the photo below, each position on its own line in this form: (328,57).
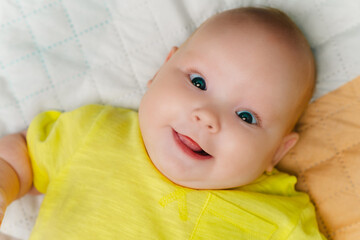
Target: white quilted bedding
(61,54)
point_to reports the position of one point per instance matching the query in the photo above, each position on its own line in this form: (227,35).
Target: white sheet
(61,54)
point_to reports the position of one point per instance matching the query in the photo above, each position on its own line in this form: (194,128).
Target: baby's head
(221,110)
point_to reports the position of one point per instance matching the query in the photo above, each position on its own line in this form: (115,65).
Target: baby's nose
(206,118)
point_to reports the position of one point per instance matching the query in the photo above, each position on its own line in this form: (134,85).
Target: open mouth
(190,147)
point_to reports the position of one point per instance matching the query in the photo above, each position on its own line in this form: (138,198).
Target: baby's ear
(150,81)
(287,143)
(171,53)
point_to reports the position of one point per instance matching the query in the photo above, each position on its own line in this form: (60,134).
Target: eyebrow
(194,63)
(192,69)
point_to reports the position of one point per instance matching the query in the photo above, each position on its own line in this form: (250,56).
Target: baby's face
(217,113)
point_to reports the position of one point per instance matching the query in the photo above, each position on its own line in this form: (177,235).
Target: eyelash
(198,81)
(254,115)
(257,118)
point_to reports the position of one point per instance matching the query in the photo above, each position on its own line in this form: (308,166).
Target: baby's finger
(1,215)
(2,205)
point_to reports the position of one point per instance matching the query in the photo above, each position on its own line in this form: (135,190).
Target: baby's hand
(2,205)
(9,186)
(15,169)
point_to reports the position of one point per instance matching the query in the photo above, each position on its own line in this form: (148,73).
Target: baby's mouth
(190,146)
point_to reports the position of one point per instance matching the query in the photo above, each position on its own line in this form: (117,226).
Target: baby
(197,160)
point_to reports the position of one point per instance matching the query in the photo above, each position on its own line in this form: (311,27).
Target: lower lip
(187,150)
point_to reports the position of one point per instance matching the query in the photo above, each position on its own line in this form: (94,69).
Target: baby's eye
(247,117)
(198,81)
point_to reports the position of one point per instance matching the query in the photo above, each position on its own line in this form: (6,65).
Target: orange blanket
(327,160)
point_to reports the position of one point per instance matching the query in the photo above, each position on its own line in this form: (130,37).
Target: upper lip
(187,144)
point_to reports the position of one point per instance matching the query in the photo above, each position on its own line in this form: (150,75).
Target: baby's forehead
(267,23)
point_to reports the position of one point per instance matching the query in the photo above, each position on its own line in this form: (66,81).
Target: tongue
(190,143)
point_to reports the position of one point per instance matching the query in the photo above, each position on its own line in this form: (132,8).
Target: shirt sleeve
(53,137)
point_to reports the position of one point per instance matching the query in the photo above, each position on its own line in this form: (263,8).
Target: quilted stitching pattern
(327,159)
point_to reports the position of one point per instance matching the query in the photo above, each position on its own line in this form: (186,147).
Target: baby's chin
(178,178)
(203,185)
(198,184)
(196,173)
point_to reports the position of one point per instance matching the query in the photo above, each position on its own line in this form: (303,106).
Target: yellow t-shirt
(100,184)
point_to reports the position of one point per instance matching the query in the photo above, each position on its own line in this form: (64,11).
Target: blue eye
(247,117)
(198,81)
